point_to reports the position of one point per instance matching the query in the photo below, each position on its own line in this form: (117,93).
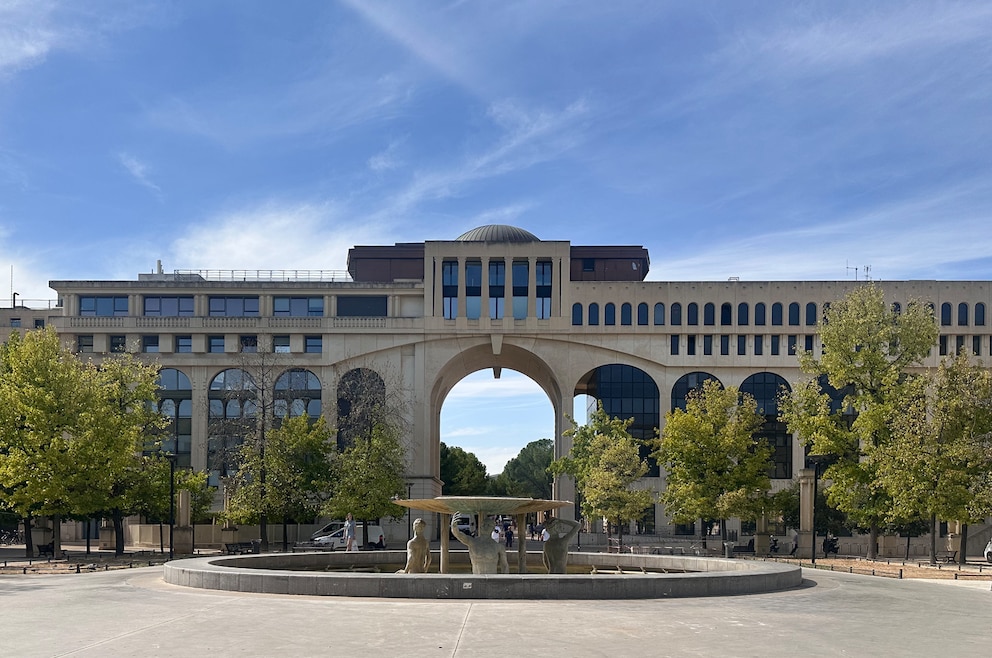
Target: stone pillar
(761,536)
(182,533)
(521,521)
(807,478)
(445,542)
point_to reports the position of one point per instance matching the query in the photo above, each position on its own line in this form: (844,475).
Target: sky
(764,140)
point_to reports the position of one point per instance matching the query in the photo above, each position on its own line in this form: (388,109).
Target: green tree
(462,474)
(939,445)
(605,462)
(716,468)
(527,475)
(868,350)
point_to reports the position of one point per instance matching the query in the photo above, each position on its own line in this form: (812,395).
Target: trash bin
(728,549)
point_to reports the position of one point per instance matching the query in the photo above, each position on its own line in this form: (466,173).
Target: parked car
(327,529)
(464,522)
(336,540)
(988,551)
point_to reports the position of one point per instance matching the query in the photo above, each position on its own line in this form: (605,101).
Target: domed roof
(497,233)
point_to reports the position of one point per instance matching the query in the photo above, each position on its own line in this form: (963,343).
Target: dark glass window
(741,345)
(107,306)
(297,307)
(625,318)
(777,314)
(234,306)
(249,344)
(215,344)
(593,314)
(84,343)
(979,314)
(976,345)
(577,315)
(792,345)
(724,345)
(642,314)
(610,314)
(497,288)
(896,308)
(543,276)
(473,289)
(811,318)
(692,314)
(449,288)
(709,314)
(280,344)
(40,324)
(775,345)
(958,344)
(707,345)
(118,343)
(184,344)
(690,346)
(659,314)
(759,314)
(686,384)
(15,323)
(742,313)
(725,315)
(149,344)
(941,343)
(945,314)
(759,347)
(809,343)
(794,314)
(168,306)
(588,264)
(675,344)
(175,403)
(676,318)
(766,387)
(361,306)
(521,280)
(314,344)
(962,315)
(628,392)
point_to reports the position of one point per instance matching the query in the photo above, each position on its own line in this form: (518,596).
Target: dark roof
(498,233)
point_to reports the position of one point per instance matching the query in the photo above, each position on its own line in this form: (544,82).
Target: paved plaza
(133,612)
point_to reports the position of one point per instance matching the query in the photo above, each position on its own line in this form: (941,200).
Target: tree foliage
(462,474)
(716,467)
(527,475)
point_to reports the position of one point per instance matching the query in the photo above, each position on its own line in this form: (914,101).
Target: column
(445,542)
(807,478)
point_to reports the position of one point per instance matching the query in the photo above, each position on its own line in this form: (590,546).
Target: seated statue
(418,550)
(487,556)
(556,547)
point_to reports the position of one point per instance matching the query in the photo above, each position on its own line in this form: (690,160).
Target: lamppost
(816,461)
(172,499)
(409,511)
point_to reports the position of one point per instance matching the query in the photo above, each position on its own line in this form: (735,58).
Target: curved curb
(280,574)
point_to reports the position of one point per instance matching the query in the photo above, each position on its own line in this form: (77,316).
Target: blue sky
(764,140)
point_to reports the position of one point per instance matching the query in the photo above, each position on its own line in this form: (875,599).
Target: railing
(263,275)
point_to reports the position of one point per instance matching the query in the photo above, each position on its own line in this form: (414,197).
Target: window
(249,344)
(962,315)
(118,343)
(976,345)
(521,280)
(280,344)
(690,348)
(958,344)
(588,264)
(15,323)
(40,323)
(741,345)
(625,312)
(725,319)
(759,347)
(103,306)
(692,314)
(777,314)
(811,314)
(659,314)
(675,345)
(979,315)
(449,288)
(709,314)
(473,289)
(775,345)
(84,343)
(759,314)
(742,314)
(497,287)
(707,345)
(642,314)
(215,344)
(314,344)
(543,276)
(942,343)
(792,345)
(149,344)
(610,314)
(577,315)
(945,314)
(794,314)
(298,307)
(676,318)
(724,345)
(168,306)
(361,306)
(234,307)
(184,344)
(897,308)
(593,314)
(809,343)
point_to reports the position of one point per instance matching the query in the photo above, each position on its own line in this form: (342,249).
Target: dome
(497,233)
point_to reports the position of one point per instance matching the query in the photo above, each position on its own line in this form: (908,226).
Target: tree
(462,474)
(605,462)
(527,475)
(868,351)
(716,468)
(939,445)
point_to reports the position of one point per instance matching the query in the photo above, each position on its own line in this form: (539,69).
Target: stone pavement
(134,613)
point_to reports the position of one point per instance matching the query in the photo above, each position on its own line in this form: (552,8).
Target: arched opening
(175,395)
(765,387)
(231,418)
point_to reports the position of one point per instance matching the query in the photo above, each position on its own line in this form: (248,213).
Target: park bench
(242,547)
(947,556)
(46,549)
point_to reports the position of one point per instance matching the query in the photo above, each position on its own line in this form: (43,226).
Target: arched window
(759,314)
(577,315)
(686,384)
(676,314)
(811,314)
(230,420)
(642,314)
(794,314)
(692,313)
(742,313)
(726,311)
(625,318)
(766,387)
(979,314)
(593,314)
(659,314)
(609,314)
(297,392)
(361,401)
(709,314)
(175,396)
(962,315)
(945,314)
(777,314)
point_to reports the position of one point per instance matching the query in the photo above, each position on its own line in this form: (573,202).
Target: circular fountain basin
(630,577)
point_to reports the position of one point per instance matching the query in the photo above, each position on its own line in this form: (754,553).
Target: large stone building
(575,319)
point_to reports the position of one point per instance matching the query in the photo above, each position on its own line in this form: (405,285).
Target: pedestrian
(509,537)
(496,534)
(349,532)
(530,530)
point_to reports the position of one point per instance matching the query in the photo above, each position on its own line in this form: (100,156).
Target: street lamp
(816,461)
(409,511)
(172,500)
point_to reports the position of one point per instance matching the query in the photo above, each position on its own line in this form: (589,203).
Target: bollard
(900,574)
(77,568)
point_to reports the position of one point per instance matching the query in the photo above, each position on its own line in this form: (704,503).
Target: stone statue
(418,550)
(487,556)
(556,547)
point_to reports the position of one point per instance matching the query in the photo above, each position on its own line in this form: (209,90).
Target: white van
(336,540)
(327,529)
(464,522)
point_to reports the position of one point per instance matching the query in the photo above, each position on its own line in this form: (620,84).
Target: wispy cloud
(27,34)
(386,159)
(139,171)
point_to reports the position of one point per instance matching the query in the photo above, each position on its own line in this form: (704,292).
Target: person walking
(349,532)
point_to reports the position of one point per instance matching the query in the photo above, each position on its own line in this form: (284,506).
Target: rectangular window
(943,345)
(215,344)
(690,347)
(15,323)
(473,289)
(724,345)
(741,345)
(707,345)
(976,345)
(84,343)
(809,344)
(675,344)
(792,345)
(298,307)
(168,306)
(588,264)
(149,344)
(449,288)
(118,343)
(234,306)
(958,344)
(759,347)
(775,345)
(543,281)
(362,306)
(249,344)
(39,323)
(103,306)
(521,282)
(497,288)
(184,344)
(314,344)
(280,344)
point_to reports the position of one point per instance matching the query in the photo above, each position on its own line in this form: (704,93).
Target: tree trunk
(57,536)
(161,538)
(285,534)
(619,536)
(963,553)
(28,540)
(933,539)
(872,541)
(118,532)
(908,537)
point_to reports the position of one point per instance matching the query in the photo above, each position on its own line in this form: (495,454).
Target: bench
(242,547)
(46,549)
(947,556)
